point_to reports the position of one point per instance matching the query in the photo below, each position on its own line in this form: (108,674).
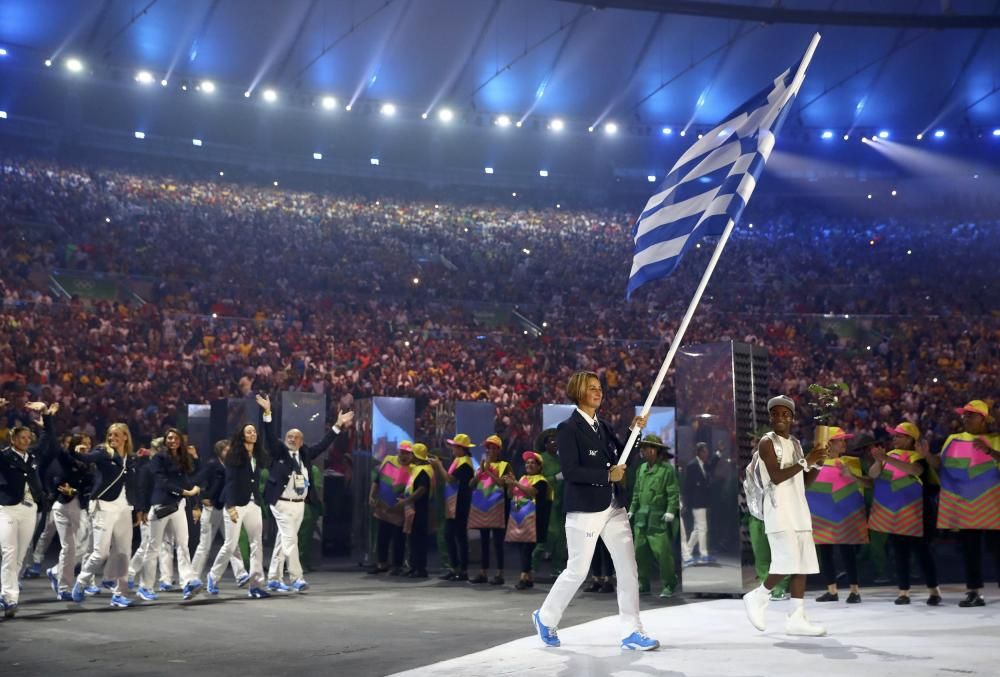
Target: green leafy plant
(825,400)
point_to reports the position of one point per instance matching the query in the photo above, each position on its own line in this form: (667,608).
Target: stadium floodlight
(140,135)
(317,156)
(827,134)
(208,87)
(939,134)
(374,162)
(847,137)
(683,132)
(3,52)
(270,95)
(610,128)
(246,94)
(222,173)
(488,170)
(518,124)
(328,103)
(502,121)
(144,78)
(893,193)
(74,65)
(920,136)
(884,134)
(3,115)
(514,194)
(651,178)
(446,115)
(667,131)
(275,184)
(196,142)
(543,173)
(388,109)
(48,63)
(557,125)
(996,132)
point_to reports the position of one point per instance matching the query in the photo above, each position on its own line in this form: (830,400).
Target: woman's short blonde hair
(577,386)
(128,437)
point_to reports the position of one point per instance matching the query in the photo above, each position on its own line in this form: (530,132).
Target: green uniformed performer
(654,510)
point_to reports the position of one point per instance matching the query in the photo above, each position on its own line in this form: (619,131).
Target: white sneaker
(755,603)
(798,624)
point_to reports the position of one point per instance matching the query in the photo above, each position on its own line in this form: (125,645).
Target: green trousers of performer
(875,552)
(658,544)
(307,530)
(555,542)
(762,554)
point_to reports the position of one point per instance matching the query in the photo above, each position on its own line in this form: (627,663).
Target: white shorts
(792,552)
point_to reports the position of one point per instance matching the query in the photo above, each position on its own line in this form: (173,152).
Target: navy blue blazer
(242,481)
(168,478)
(282,466)
(585,457)
(109,480)
(67,468)
(15,472)
(212,481)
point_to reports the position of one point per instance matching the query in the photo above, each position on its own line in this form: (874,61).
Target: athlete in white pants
(42,544)
(20,491)
(210,524)
(589,452)
(250,518)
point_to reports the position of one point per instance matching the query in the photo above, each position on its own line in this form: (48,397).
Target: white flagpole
(675,344)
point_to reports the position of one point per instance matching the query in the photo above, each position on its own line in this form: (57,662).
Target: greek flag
(711,183)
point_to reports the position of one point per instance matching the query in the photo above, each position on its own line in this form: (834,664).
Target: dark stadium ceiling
(919,64)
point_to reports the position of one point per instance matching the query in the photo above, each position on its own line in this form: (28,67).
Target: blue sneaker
(166,587)
(64,596)
(108,585)
(9,609)
(212,588)
(707,559)
(639,642)
(147,595)
(120,601)
(78,593)
(277,586)
(53,581)
(192,588)
(689,562)
(92,590)
(549,636)
(34,571)
(258,593)
(242,581)
(300,585)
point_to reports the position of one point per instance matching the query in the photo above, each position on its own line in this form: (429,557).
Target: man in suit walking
(697,498)
(595,508)
(287,489)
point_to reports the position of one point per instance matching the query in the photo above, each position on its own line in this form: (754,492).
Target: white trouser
(135,564)
(210,525)
(249,517)
(17,526)
(84,537)
(699,534)
(175,522)
(288,516)
(45,538)
(164,557)
(112,523)
(582,532)
(67,521)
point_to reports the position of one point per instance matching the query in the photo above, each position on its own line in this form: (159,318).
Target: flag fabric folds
(711,182)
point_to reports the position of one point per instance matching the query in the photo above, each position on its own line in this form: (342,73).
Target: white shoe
(798,624)
(755,603)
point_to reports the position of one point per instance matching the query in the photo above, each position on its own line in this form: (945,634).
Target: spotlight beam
(457,70)
(371,72)
(946,100)
(343,36)
(640,57)
(185,46)
(858,71)
(526,52)
(691,67)
(556,61)
(896,44)
(297,39)
(291,23)
(96,19)
(124,29)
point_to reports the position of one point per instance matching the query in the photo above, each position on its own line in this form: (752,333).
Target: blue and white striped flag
(711,183)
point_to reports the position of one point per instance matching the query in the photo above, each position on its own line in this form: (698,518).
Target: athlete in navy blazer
(595,501)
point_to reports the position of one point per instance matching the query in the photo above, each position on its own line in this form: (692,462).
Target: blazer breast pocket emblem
(593,452)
